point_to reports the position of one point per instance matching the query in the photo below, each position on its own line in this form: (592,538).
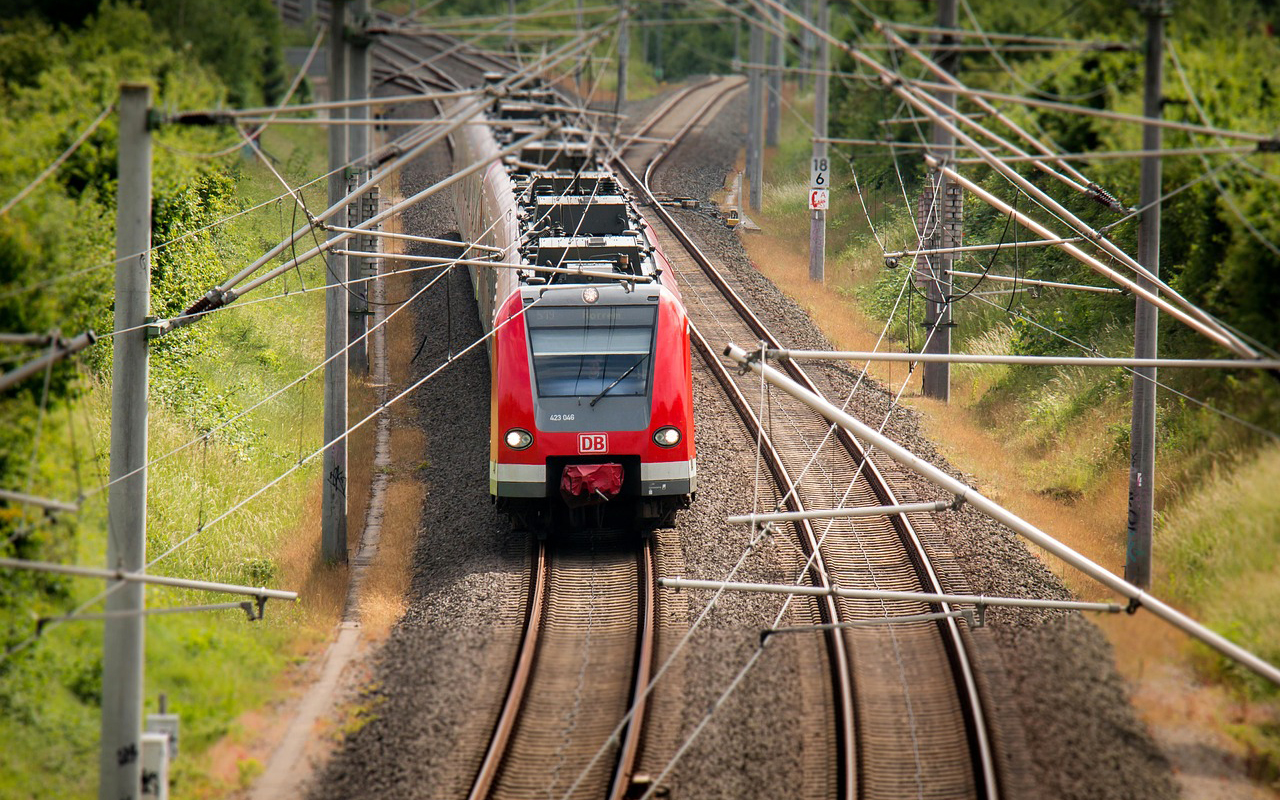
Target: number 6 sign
(819,174)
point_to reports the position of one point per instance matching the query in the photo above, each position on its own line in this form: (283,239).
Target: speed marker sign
(819,173)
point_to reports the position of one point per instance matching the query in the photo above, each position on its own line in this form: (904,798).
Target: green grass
(1220,550)
(212,666)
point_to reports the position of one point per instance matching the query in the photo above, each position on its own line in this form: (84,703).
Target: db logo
(593,443)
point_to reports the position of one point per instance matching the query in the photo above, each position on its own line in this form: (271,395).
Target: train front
(592,419)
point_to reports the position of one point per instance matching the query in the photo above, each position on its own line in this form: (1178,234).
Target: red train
(591,415)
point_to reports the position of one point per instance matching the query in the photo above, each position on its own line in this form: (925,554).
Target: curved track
(903,727)
(914,724)
(585,657)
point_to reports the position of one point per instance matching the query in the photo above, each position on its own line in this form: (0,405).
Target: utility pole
(755,123)
(577,74)
(1142,437)
(773,121)
(946,203)
(737,42)
(658,72)
(818,217)
(806,46)
(511,35)
(624,55)
(358,151)
(333,538)
(123,637)
(646,28)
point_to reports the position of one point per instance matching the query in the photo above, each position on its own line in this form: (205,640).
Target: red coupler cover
(582,484)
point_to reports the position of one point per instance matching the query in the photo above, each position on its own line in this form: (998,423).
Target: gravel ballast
(422,721)
(1068,704)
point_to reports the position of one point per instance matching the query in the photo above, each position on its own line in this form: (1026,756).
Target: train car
(591,408)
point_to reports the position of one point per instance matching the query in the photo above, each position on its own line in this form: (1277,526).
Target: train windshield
(582,351)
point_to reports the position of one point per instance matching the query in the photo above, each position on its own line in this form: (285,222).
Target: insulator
(1103,197)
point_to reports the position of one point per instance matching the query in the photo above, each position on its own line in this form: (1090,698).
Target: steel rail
(970,697)
(438,53)
(846,720)
(1138,597)
(393,73)
(488,773)
(631,737)
(645,652)
(440,75)
(732,86)
(657,115)
(496,754)
(469,57)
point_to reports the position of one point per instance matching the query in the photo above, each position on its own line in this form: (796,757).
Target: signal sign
(819,174)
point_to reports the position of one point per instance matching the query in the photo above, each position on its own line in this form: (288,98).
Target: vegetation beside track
(1218,525)
(56,74)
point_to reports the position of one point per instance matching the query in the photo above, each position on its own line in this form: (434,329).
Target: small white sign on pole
(155,766)
(819,174)
(818,199)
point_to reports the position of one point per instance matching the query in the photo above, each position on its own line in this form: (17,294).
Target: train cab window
(580,351)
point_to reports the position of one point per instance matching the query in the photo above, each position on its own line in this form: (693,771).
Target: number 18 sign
(819,176)
(819,173)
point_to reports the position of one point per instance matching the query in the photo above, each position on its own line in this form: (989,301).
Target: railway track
(909,716)
(585,657)
(410,61)
(900,730)
(587,648)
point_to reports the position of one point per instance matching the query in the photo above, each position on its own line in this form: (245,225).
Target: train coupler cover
(590,484)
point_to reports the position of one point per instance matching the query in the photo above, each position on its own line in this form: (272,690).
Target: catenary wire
(1094,351)
(57,162)
(756,537)
(1222,190)
(466,247)
(293,87)
(759,650)
(994,50)
(275,481)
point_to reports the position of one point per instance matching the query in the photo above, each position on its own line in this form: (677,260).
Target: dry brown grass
(781,252)
(1094,523)
(779,259)
(1167,691)
(361,399)
(321,587)
(387,582)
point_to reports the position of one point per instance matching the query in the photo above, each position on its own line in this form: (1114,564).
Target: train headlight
(590,294)
(519,438)
(667,437)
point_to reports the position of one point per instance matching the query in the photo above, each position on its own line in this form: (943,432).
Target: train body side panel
(671,470)
(484,203)
(513,473)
